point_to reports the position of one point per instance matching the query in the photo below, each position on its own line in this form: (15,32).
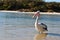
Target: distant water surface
(19,26)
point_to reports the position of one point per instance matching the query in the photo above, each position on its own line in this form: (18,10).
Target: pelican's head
(36,14)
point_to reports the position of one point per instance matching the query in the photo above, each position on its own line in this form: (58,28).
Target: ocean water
(19,26)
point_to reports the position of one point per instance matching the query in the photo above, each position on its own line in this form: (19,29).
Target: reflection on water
(47,36)
(40,36)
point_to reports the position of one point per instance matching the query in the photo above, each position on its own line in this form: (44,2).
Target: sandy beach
(51,13)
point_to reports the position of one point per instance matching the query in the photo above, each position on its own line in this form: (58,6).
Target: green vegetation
(29,5)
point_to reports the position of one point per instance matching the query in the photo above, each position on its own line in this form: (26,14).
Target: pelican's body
(40,27)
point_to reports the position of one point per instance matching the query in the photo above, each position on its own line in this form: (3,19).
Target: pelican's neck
(36,22)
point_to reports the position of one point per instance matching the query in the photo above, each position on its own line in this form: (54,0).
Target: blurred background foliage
(30,5)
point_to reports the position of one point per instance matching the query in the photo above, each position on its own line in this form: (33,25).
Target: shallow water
(18,26)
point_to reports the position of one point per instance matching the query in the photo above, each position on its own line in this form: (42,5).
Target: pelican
(40,27)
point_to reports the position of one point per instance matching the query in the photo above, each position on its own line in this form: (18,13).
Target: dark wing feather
(45,26)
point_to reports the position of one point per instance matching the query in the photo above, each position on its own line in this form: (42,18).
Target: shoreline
(52,13)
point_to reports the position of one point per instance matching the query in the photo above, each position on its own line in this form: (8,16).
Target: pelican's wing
(39,23)
(43,25)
